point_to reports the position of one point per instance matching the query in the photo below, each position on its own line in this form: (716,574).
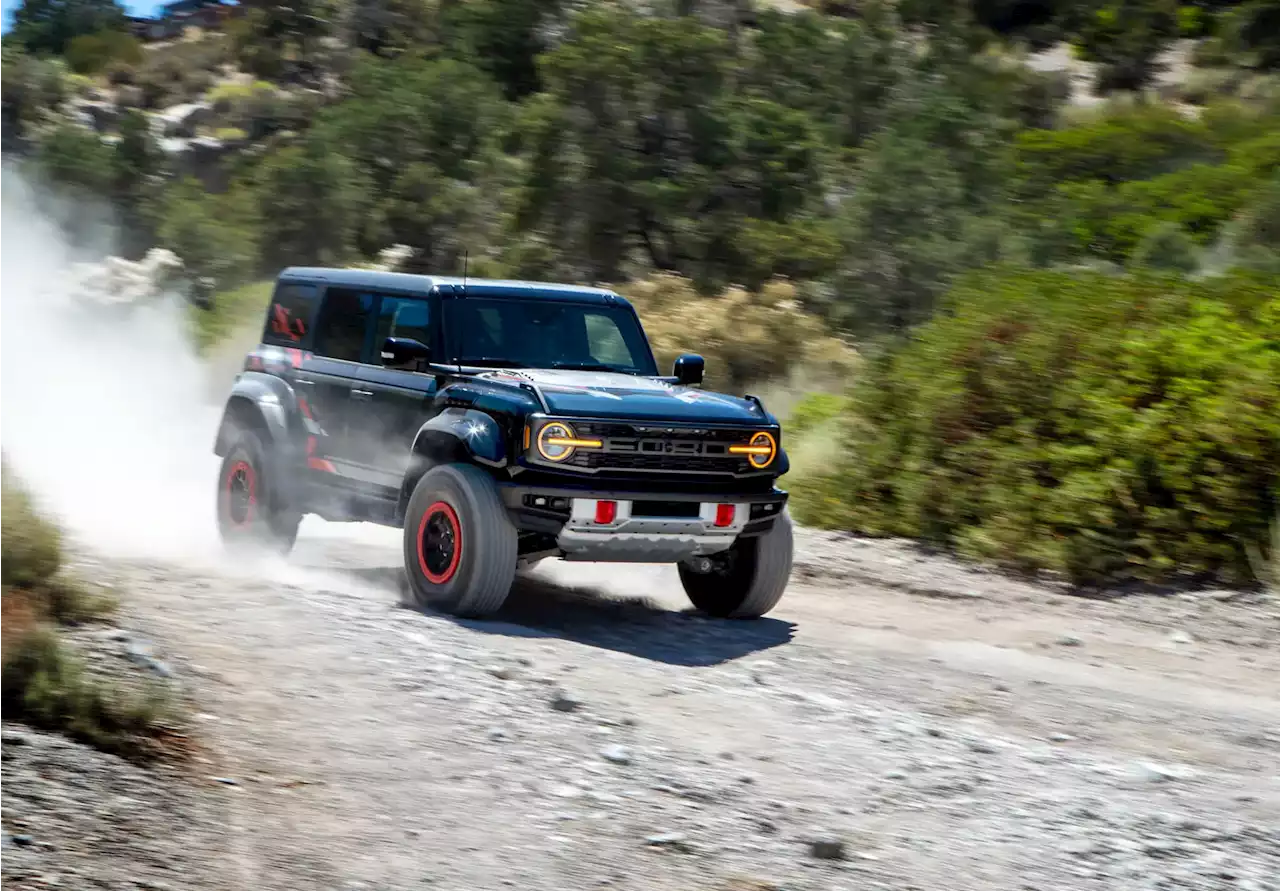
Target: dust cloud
(101,406)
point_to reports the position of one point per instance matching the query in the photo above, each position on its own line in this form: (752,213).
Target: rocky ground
(899,722)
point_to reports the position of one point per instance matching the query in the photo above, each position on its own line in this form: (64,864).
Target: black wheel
(251,512)
(459,545)
(746,581)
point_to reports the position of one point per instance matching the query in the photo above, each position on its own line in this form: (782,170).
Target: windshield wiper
(589,366)
(491,362)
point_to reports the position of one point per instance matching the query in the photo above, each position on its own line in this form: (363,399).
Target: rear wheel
(459,545)
(748,579)
(251,512)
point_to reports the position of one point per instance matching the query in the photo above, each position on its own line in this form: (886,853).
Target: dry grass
(42,683)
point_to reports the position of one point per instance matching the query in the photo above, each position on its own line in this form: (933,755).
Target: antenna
(457,359)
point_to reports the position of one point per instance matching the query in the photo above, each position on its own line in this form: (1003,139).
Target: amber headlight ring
(760,451)
(557,442)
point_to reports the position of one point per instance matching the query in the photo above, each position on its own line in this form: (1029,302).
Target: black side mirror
(688,369)
(400,352)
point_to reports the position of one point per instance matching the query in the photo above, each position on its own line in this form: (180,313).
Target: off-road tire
(260,520)
(472,576)
(747,580)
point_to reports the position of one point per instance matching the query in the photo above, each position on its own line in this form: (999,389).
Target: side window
(403,317)
(343,323)
(605,341)
(289,318)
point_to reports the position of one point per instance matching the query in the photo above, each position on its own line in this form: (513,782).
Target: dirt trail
(953,729)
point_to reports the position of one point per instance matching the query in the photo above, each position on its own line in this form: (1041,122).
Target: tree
(48,26)
(215,235)
(1125,37)
(279,38)
(310,199)
(504,37)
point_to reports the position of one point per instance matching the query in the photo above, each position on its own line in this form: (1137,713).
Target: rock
(564,701)
(666,840)
(226,781)
(1069,640)
(1061,737)
(1150,772)
(827,847)
(497,734)
(1181,637)
(182,121)
(23,841)
(501,672)
(14,738)
(129,96)
(616,754)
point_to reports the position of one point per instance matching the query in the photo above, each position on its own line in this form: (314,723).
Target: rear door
(326,380)
(393,402)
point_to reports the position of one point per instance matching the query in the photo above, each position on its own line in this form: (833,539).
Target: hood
(607,394)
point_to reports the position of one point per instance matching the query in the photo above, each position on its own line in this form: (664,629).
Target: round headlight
(760,452)
(763,458)
(555,441)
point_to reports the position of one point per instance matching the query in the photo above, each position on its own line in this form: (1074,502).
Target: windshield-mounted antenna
(457,360)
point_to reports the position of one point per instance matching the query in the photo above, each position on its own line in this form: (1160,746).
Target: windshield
(540,333)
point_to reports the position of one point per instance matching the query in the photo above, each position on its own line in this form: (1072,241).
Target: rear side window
(289,318)
(343,325)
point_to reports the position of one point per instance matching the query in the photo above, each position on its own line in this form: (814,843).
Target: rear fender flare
(263,403)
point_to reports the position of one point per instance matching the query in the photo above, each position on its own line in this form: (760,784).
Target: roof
(476,287)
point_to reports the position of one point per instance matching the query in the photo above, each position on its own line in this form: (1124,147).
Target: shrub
(747,337)
(30,546)
(1111,427)
(45,686)
(95,53)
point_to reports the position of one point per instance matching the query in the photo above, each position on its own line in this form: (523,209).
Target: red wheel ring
(241,488)
(441,522)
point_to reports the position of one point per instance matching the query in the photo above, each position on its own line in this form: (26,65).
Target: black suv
(498,423)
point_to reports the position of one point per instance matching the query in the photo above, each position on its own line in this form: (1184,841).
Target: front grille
(652,448)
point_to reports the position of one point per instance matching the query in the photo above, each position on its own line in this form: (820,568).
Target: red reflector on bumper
(606,511)
(724,514)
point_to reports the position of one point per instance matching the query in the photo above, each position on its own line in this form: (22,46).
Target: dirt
(901,721)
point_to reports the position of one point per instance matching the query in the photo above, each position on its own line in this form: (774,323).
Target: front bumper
(647,527)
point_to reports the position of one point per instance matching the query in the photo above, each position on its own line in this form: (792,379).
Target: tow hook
(700,564)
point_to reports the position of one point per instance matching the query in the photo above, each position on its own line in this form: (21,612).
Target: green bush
(1111,427)
(45,686)
(30,546)
(95,53)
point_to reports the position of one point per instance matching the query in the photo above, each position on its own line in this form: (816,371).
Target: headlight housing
(557,442)
(760,451)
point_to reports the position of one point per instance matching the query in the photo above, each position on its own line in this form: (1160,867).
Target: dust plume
(102,407)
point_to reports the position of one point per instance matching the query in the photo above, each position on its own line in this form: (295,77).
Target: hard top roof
(476,287)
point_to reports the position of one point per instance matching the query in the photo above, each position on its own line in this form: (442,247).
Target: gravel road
(899,722)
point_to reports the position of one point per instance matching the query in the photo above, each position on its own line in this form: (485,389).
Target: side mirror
(688,369)
(399,352)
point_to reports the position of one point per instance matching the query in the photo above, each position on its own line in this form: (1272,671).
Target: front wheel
(459,545)
(748,579)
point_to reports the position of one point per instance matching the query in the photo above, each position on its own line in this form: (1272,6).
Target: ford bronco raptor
(498,423)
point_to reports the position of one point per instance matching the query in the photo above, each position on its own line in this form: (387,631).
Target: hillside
(836,171)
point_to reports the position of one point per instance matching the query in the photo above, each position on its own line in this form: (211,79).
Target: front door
(393,402)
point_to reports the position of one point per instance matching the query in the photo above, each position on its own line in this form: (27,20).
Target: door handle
(304,382)
(363,395)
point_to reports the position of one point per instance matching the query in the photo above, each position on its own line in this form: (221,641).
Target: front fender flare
(462,432)
(456,434)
